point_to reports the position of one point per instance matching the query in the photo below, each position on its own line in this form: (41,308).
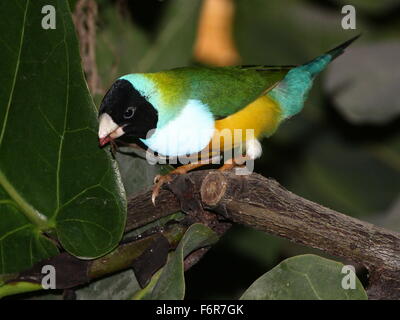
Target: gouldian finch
(181,111)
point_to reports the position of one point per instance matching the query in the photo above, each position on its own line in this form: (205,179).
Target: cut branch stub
(213,188)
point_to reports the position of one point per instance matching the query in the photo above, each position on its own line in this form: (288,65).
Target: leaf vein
(3,129)
(307,278)
(65,122)
(88,222)
(7,234)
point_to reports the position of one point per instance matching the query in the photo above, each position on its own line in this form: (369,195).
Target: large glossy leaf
(53,177)
(306,277)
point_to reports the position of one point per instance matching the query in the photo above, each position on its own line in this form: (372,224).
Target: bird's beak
(108,130)
(104,141)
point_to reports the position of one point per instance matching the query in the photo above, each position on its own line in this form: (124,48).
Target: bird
(182,111)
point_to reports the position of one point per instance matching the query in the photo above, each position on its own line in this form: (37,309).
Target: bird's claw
(159,181)
(154,195)
(157,178)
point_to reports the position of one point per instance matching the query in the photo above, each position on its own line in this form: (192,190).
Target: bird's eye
(129,112)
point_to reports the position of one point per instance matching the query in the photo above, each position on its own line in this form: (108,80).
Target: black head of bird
(124,112)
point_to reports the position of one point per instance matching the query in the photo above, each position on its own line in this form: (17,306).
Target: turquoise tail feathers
(292,91)
(336,52)
(318,64)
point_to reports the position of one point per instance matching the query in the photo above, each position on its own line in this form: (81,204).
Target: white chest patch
(187,133)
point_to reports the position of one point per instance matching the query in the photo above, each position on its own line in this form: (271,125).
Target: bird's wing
(223,90)
(229,89)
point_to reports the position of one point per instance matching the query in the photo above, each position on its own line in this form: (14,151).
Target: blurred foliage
(350,80)
(321,154)
(371,6)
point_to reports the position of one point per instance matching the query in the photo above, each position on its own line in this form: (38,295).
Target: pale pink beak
(104,141)
(108,130)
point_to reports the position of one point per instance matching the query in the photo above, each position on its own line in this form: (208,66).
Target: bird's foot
(159,181)
(227,166)
(233,163)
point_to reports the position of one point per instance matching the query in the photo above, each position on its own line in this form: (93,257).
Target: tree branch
(265,205)
(217,199)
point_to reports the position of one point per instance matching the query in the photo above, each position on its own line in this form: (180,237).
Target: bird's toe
(159,181)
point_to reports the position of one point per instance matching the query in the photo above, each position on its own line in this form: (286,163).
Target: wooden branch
(265,205)
(216,199)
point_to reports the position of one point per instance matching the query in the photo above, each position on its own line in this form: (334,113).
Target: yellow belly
(260,118)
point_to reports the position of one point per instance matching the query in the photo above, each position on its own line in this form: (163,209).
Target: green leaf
(136,173)
(119,286)
(305,277)
(171,284)
(145,293)
(53,177)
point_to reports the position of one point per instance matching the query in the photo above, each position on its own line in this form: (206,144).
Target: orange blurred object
(214,43)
